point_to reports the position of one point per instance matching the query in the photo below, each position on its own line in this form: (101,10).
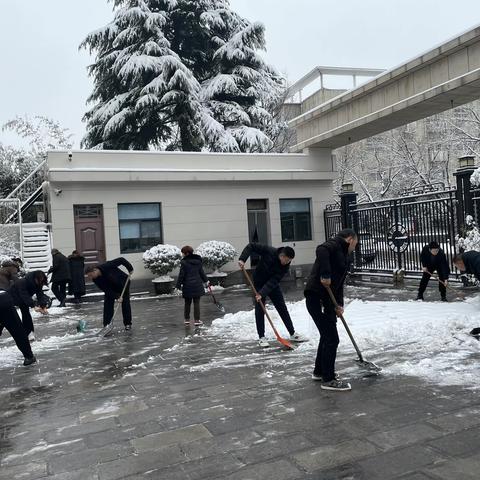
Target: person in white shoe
(274,263)
(329,270)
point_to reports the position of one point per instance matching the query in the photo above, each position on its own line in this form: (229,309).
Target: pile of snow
(423,339)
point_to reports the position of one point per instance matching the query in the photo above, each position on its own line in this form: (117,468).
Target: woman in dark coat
(76,287)
(191,281)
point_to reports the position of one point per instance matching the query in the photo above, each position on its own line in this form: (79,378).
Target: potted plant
(215,255)
(161,260)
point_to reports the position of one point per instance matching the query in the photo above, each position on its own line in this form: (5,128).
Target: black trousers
(276,297)
(196,308)
(27,319)
(59,289)
(325,318)
(424,282)
(11,321)
(109,307)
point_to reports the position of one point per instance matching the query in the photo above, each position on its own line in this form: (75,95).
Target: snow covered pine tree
(179,75)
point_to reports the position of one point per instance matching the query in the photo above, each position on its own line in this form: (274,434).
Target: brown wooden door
(89,233)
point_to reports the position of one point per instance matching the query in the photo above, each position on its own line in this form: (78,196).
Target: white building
(111,203)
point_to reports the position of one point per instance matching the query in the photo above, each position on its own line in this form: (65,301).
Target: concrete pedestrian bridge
(445,77)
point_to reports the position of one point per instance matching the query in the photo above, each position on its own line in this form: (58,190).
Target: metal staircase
(29,191)
(37,246)
(32,239)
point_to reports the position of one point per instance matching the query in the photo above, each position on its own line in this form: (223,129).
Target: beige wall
(192,212)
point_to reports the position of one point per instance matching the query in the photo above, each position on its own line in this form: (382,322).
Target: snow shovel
(364,363)
(108,329)
(282,340)
(446,285)
(220,307)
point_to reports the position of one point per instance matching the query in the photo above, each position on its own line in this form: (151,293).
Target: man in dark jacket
(76,286)
(433,259)
(22,292)
(9,318)
(469,262)
(329,270)
(60,271)
(111,280)
(273,265)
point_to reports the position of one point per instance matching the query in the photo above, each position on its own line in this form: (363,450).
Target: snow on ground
(10,356)
(423,339)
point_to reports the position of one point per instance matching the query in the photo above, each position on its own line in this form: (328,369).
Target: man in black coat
(60,271)
(22,292)
(111,280)
(433,259)
(273,265)
(76,286)
(9,318)
(329,270)
(469,262)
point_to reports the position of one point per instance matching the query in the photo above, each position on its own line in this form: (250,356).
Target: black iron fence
(392,232)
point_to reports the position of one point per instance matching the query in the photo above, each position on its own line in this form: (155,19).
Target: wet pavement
(150,404)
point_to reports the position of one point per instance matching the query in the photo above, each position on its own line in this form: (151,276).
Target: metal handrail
(14,193)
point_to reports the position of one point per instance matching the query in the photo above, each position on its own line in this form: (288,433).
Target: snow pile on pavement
(424,339)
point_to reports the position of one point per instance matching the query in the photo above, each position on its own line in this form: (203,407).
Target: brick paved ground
(130,407)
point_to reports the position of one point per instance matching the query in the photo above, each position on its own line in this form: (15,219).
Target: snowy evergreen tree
(243,88)
(144,95)
(179,75)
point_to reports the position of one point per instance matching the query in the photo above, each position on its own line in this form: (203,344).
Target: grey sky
(44,73)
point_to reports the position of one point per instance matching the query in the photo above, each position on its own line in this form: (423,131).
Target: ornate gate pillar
(466,166)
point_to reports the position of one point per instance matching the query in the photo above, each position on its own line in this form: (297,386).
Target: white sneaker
(263,342)
(299,338)
(31,337)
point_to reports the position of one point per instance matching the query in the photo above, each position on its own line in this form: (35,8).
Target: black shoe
(420,297)
(128,328)
(444,299)
(475,331)
(62,304)
(29,360)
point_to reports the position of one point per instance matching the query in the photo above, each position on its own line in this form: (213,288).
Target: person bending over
(109,278)
(274,263)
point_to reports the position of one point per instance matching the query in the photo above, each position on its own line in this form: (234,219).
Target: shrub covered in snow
(475,178)
(216,254)
(162,259)
(7,249)
(470,240)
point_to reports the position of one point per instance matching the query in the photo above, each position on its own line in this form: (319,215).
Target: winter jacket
(269,271)
(112,280)
(472,263)
(77,272)
(435,262)
(60,269)
(332,261)
(191,277)
(23,290)
(6,279)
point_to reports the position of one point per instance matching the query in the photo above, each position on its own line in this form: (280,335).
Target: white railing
(31,184)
